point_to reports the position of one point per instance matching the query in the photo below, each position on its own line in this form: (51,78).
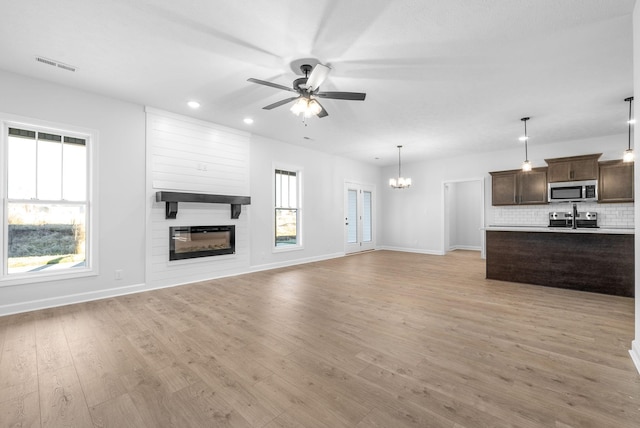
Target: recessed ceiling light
(193,104)
(248,120)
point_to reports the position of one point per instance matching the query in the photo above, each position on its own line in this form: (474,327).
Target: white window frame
(300,221)
(91,262)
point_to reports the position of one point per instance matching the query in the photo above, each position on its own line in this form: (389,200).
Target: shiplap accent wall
(189,155)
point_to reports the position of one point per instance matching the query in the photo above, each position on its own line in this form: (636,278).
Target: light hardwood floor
(380,339)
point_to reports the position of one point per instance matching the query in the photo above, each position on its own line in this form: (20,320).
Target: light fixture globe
(313,108)
(306,106)
(300,106)
(399,182)
(629,155)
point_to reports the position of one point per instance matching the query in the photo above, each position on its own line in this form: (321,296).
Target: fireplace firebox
(187,242)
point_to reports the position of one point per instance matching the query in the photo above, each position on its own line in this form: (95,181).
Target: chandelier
(399,182)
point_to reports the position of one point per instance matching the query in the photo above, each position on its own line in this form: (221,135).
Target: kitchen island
(599,260)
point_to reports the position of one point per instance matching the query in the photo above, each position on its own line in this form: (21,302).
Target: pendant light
(629,156)
(400,182)
(526,165)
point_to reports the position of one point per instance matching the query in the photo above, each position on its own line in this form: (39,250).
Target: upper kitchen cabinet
(574,168)
(615,183)
(516,187)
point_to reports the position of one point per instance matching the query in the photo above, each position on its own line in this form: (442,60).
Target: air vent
(66,67)
(55,63)
(46,61)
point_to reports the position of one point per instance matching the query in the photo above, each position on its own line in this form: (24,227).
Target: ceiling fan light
(299,106)
(314,107)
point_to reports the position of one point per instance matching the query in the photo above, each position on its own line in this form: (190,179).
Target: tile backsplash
(609,215)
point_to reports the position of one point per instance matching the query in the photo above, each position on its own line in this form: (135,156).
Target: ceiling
(442,77)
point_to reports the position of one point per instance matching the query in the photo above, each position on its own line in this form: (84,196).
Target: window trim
(300,199)
(91,135)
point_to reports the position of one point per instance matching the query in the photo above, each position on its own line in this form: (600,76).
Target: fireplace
(187,242)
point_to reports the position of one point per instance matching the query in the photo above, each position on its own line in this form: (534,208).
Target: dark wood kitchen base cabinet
(516,187)
(600,263)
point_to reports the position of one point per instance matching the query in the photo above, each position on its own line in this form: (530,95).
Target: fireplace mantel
(171,200)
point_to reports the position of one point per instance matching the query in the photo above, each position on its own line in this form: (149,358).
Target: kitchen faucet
(575,217)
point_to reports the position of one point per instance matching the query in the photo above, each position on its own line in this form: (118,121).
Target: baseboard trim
(70,299)
(635,354)
(278,265)
(411,250)
(464,247)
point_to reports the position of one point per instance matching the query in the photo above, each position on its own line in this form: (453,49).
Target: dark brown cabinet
(574,168)
(516,187)
(615,183)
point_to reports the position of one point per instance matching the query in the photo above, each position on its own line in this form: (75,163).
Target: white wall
(323,178)
(121,157)
(412,217)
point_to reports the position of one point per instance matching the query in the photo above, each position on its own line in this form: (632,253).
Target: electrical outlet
(119,274)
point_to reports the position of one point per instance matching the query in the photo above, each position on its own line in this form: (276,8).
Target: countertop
(522,228)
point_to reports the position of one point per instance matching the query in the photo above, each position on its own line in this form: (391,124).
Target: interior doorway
(463,216)
(359,218)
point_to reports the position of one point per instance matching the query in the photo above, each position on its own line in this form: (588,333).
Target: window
(287,209)
(46,220)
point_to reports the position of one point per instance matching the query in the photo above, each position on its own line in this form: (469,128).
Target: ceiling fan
(308,88)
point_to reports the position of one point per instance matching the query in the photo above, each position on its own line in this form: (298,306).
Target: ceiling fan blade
(279,103)
(323,112)
(353,96)
(273,85)
(317,76)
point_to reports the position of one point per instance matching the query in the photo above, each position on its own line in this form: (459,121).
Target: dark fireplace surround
(188,242)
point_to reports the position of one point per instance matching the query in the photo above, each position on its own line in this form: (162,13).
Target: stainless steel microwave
(574,191)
